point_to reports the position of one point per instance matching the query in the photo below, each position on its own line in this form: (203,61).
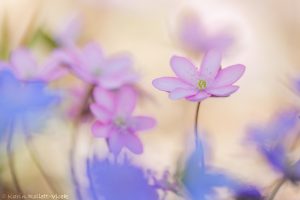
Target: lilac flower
(25,67)
(272,143)
(196,85)
(195,37)
(114,181)
(114,120)
(22,100)
(90,65)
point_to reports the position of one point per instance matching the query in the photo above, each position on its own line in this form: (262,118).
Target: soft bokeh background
(268,43)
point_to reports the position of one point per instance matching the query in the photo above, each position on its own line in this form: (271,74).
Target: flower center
(120,122)
(202,84)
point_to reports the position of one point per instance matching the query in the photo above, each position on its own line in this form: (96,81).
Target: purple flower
(195,37)
(248,193)
(198,84)
(90,65)
(25,66)
(114,181)
(114,120)
(272,143)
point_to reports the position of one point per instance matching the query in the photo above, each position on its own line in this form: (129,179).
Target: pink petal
(184,69)
(118,64)
(199,97)
(181,93)
(211,64)
(169,83)
(125,101)
(133,143)
(101,130)
(228,75)
(24,63)
(104,98)
(101,113)
(116,143)
(141,123)
(93,55)
(223,91)
(116,81)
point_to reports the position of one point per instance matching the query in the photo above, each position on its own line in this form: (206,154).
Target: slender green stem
(198,142)
(276,189)
(32,152)
(10,156)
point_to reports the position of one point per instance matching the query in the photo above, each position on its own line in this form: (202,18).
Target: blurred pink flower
(197,85)
(195,37)
(91,66)
(25,66)
(114,120)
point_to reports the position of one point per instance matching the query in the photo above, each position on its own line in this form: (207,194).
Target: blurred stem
(4,42)
(198,142)
(43,36)
(10,156)
(31,150)
(74,140)
(276,189)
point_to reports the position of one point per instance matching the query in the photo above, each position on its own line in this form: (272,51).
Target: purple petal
(23,63)
(133,143)
(169,83)
(228,75)
(211,64)
(181,93)
(223,91)
(101,113)
(125,101)
(184,69)
(101,130)
(141,123)
(199,97)
(104,98)
(116,143)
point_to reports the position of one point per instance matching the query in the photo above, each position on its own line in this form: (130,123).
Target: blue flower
(21,100)
(248,193)
(272,142)
(115,181)
(200,181)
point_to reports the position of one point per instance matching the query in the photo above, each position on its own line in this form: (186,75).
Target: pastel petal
(117,64)
(141,123)
(101,130)
(116,143)
(125,101)
(169,83)
(184,69)
(199,97)
(133,143)
(93,55)
(223,91)
(181,93)
(23,63)
(211,64)
(104,98)
(228,75)
(101,113)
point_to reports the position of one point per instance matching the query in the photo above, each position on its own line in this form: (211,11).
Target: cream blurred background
(268,43)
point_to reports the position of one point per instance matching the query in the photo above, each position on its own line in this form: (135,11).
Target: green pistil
(120,122)
(202,84)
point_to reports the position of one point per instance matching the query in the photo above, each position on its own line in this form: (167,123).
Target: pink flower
(198,84)
(195,37)
(91,66)
(25,67)
(114,120)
